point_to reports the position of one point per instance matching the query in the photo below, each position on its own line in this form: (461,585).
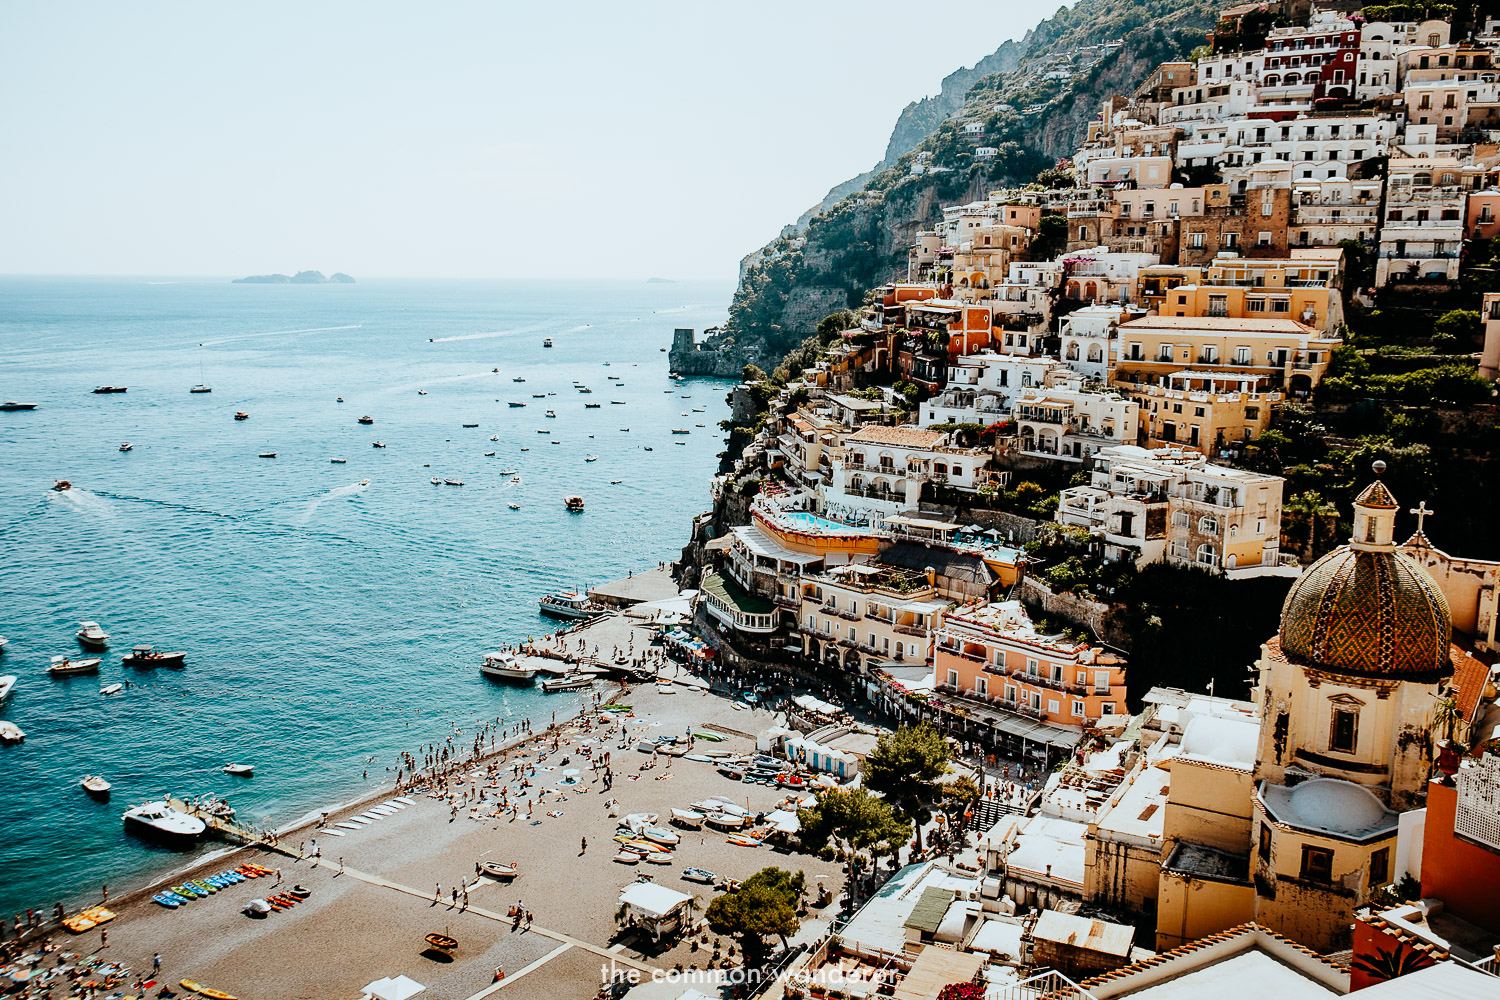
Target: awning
(399,988)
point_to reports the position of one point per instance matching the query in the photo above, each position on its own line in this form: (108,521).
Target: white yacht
(571,604)
(505,667)
(92,635)
(159,819)
(7,684)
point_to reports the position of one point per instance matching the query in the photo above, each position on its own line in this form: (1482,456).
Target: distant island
(661,281)
(300,278)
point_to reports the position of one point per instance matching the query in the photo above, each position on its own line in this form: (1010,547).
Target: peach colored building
(993,652)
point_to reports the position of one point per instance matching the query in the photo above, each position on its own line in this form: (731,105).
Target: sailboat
(201,386)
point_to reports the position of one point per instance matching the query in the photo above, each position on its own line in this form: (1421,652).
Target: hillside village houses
(1198,285)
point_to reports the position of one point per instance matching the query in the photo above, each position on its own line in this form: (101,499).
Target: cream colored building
(866,615)
(1289,353)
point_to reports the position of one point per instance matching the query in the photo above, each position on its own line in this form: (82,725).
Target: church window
(1344,732)
(1317,864)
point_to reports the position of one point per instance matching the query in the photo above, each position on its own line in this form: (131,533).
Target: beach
(374,914)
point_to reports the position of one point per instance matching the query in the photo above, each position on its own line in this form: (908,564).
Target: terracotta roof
(1224,323)
(1377,495)
(1470,677)
(901,437)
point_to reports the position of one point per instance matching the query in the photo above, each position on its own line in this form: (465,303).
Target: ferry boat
(573,503)
(546,341)
(159,819)
(505,667)
(571,604)
(11,406)
(92,635)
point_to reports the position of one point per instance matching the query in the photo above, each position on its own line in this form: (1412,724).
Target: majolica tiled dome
(1372,612)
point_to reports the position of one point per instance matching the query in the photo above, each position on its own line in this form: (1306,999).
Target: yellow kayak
(202,990)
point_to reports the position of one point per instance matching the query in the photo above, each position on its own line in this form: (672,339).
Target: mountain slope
(1033,114)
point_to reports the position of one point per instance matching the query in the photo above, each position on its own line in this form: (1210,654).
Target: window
(1230,240)
(1179,520)
(1010,692)
(1317,864)
(1343,735)
(953,678)
(1108,708)
(1265,842)
(1208,525)
(1380,867)
(1101,682)
(982,687)
(1196,240)
(1077,709)
(1255,306)
(1052,707)
(1031,666)
(1207,556)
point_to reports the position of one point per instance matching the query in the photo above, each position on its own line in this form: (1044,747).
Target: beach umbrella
(399,988)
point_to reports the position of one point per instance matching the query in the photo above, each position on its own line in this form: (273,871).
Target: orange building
(992,652)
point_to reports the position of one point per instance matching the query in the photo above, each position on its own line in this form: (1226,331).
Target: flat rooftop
(651,585)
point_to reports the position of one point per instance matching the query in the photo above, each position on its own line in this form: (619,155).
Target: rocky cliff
(1033,113)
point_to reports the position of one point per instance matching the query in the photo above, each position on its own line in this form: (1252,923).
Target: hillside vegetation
(1031,119)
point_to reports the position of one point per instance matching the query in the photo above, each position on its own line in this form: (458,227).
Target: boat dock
(218,826)
(652,585)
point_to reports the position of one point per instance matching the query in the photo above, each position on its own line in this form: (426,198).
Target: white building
(1090,339)
(1071,423)
(882,469)
(981,388)
(1422,234)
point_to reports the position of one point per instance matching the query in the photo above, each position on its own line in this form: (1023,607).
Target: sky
(447,139)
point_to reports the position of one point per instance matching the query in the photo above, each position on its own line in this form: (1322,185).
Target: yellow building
(1202,410)
(1317,306)
(1288,353)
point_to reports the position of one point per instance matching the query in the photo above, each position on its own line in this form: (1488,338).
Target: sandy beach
(374,915)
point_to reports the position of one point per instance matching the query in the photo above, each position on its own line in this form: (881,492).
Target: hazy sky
(464,139)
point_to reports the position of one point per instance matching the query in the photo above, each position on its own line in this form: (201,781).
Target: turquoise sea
(328,624)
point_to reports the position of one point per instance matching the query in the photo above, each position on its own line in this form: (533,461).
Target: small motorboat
(541,430)
(436,481)
(421,392)
(585,388)
(546,341)
(62,485)
(127,446)
(538,395)
(514,506)
(573,503)
(108,389)
(338,461)
(200,388)
(489,454)
(551,413)
(364,482)
(494,437)
(471,425)
(147,656)
(7,685)
(567,682)
(681,430)
(91,636)
(617,402)
(62,666)
(512,472)
(591,458)
(518,379)
(514,402)
(268,454)
(11,406)
(109,689)
(592,406)
(340,399)
(692,819)
(257,908)
(95,785)
(648,448)
(240,770)
(495,869)
(367,419)
(10,733)
(454,482)
(627,857)
(377,444)
(700,875)
(241,415)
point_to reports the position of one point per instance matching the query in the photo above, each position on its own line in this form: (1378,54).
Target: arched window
(1207,556)
(1208,525)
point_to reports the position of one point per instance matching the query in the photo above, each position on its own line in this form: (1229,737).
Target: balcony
(871,493)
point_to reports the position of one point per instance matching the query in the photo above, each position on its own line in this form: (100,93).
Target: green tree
(906,765)
(1051,237)
(764,906)
(852,820)
(830,326)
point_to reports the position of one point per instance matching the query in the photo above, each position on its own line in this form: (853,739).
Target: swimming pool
(801,519)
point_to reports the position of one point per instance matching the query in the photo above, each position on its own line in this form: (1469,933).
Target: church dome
(1365,608)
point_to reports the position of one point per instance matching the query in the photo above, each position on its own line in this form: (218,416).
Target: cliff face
(1033,113)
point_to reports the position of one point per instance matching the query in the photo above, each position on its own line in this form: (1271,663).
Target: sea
(334,615)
